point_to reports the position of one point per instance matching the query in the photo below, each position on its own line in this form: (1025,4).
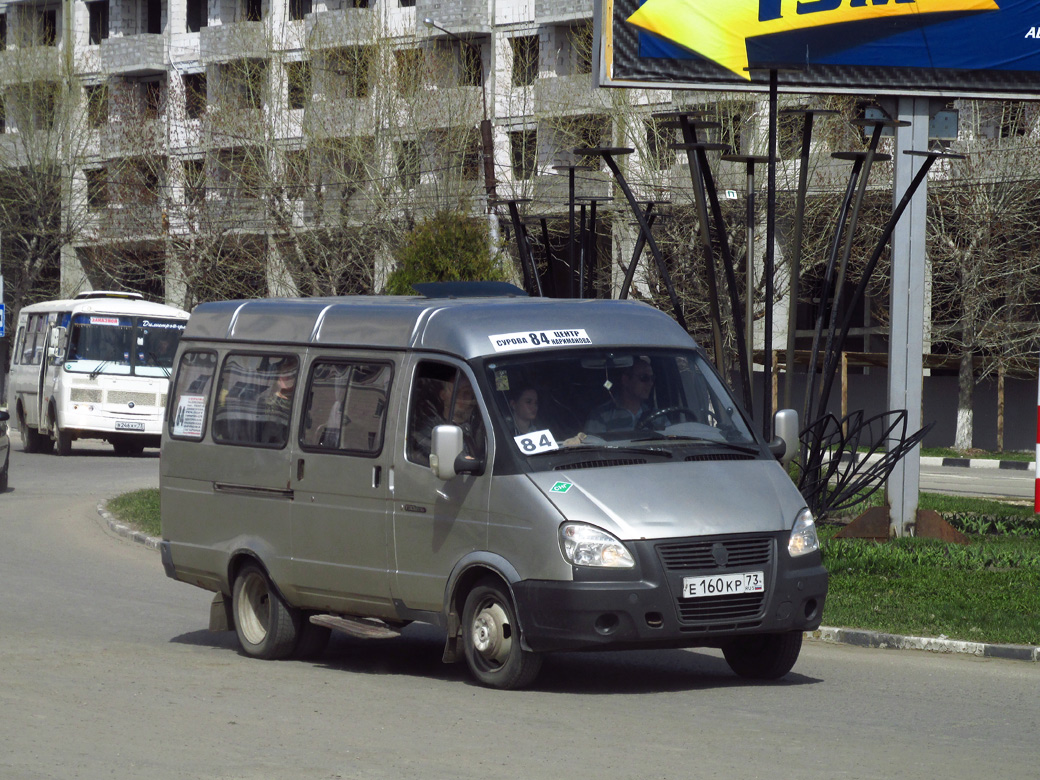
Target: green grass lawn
(139,509)
(986,591)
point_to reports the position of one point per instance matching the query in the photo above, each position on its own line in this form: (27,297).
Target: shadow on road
(417,653)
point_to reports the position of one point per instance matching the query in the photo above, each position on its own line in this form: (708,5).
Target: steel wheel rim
(491,634)
(254,610)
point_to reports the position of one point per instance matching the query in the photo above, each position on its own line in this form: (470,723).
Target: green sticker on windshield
(560,487)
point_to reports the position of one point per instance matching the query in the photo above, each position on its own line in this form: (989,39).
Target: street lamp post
(486,138)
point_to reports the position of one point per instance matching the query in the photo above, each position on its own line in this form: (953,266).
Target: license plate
(723,585)
(122,425)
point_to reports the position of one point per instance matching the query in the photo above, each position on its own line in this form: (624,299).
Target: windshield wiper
(616,448)
(747,447)
(155,361)
(100,367)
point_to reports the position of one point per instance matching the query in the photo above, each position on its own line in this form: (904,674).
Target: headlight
(586,545)
(803,536)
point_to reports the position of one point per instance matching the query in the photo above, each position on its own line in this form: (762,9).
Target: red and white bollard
(1036,456)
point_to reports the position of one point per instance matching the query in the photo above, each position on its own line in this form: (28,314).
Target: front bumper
(643,607)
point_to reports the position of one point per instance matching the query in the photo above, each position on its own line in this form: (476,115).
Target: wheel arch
(466,574)
(239,558)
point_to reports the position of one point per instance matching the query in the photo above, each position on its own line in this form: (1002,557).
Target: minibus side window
(442,395)
(191,394)
(345,407)
(254,400)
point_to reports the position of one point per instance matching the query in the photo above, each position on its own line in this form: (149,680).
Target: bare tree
(41,131)
(984,221)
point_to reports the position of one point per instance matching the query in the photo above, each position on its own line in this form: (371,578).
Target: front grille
(124,397)
(720,609)
(85,395)
(595,464)
(698,555)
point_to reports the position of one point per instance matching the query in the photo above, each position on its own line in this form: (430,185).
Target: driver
(629,400)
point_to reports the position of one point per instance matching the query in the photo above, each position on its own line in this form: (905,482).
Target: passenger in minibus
(523,403)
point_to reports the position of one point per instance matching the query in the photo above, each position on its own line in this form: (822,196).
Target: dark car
(5,450)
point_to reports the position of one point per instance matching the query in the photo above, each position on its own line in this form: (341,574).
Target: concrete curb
(981,463)
(121,529)
(969,463)
(842,636)
(862,638)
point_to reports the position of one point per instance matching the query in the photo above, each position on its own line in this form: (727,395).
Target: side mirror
(448,457)
(4,415)
(785,443)
(445,447)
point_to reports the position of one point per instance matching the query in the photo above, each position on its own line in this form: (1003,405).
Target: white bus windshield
(122,345)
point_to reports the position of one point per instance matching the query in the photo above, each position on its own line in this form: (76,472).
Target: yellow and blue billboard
(948,48)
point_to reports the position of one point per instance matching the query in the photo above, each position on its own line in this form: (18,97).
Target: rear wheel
(32,440)
(265,624)
(491,639)
(765,656)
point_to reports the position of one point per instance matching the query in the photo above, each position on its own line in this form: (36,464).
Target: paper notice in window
(191,416)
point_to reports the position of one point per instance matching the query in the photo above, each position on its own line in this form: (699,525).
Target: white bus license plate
(122,425)
(723,585)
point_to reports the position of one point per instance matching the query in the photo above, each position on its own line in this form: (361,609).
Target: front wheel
(264,623)
(491,639)
(62,440)
(765,656)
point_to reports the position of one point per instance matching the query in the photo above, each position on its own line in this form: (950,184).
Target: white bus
(94,367)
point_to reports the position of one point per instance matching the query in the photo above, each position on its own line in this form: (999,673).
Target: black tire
(764,656)
(3,474)
(312,640)
(63,441)
(32,440)
(266,626)
(491,639)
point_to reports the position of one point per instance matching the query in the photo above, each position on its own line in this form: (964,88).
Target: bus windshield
(122,345)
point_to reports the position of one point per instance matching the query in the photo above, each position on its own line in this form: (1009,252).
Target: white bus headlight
(586,545)
(803,536)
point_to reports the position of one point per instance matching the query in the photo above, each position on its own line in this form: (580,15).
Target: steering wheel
(678,412)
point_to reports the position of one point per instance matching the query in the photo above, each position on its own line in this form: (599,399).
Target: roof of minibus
(466,327)
(130,307)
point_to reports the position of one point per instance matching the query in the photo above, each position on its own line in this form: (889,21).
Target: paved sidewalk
(845,636)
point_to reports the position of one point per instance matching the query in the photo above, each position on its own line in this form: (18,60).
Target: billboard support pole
(767,347)
(906,339)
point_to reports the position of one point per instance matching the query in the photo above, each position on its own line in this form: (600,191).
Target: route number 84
(536,441)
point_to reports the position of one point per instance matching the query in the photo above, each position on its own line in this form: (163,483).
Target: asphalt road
(107,671)
(984,483)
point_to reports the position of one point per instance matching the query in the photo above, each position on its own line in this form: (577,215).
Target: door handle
(299,470)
